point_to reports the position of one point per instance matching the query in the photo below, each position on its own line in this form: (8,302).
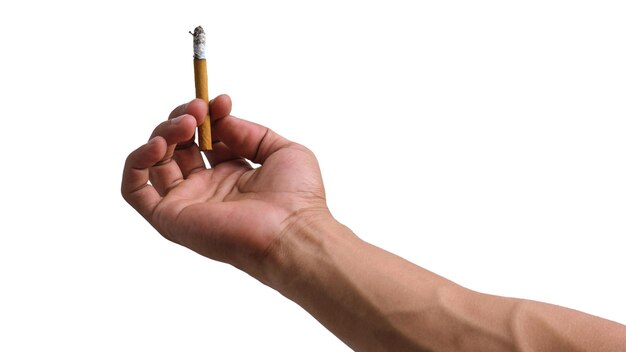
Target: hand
(230,212)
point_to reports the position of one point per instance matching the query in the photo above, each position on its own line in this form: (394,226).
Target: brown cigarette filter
(202,92)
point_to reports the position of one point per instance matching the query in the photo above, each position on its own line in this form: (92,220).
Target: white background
(482,140)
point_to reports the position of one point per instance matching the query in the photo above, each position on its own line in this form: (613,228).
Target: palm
(240,208)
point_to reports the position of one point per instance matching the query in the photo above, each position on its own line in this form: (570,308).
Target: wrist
(307,238)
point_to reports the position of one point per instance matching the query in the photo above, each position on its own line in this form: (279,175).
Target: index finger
(187,154)
(197,108)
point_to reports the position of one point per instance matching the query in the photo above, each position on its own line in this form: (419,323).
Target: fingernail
(151,141)
(178,120)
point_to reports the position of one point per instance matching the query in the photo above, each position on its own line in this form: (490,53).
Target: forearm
(357,291)
(374,300)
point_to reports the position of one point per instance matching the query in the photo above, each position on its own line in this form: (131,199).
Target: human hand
(229,212)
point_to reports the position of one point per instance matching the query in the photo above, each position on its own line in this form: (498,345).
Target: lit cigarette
(202,88)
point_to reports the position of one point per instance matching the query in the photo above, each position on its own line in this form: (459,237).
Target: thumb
(244,138)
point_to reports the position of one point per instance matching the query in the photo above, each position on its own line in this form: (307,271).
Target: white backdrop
(482,140)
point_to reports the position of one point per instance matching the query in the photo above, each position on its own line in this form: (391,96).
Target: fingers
(220,107)
(196,108)
(176,130)
(135,188)
(166,174)
(233,138)
(189,160)
(187,154)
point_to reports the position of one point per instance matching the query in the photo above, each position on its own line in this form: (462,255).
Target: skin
(273,223)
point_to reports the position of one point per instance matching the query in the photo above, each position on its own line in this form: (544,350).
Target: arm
(273,223)
(375,301)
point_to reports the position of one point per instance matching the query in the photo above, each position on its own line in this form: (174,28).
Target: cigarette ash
(199,43)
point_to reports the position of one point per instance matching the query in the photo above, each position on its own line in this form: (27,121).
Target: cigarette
(202,88)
